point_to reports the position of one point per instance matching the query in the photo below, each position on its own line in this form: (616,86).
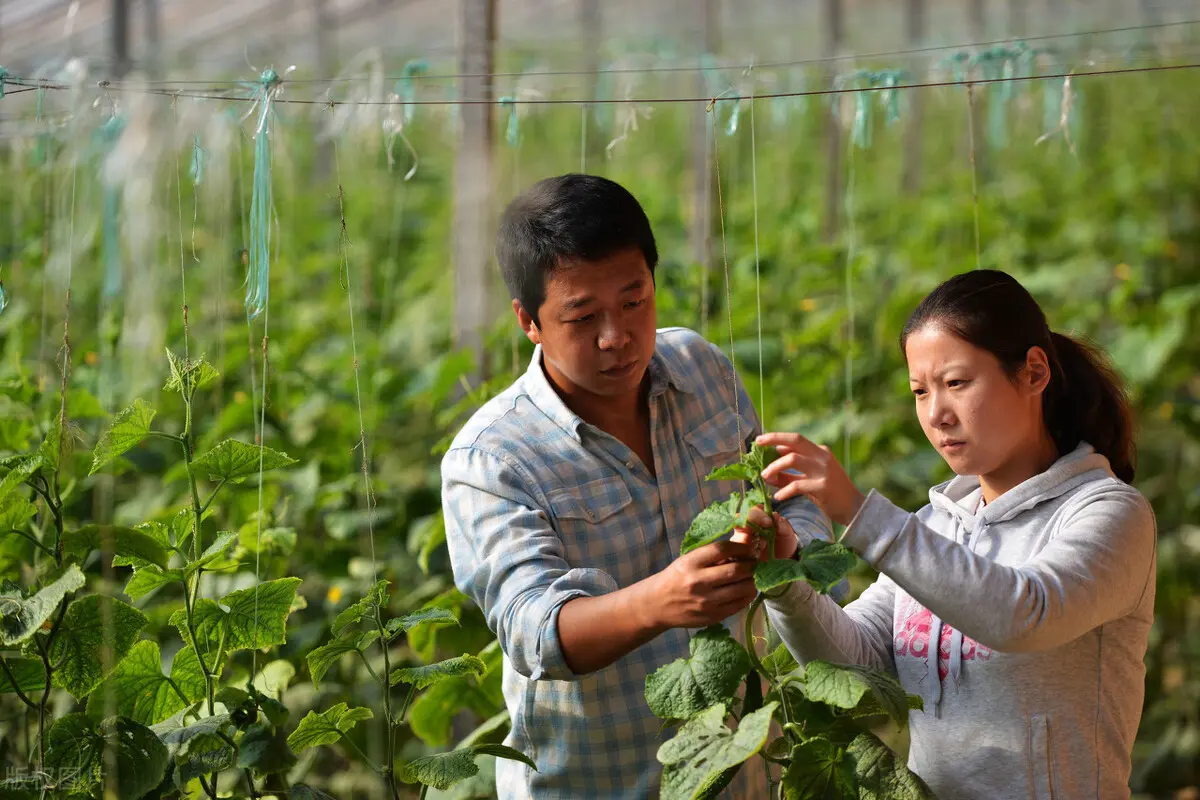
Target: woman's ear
(1037,370)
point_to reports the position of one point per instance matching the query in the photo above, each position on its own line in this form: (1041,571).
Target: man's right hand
(706,586)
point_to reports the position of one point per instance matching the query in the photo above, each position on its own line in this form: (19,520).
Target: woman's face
(975,415)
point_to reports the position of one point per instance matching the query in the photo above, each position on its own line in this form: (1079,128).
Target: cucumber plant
(824,750)
(206,726)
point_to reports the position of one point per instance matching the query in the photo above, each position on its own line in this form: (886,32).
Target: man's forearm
(594,632)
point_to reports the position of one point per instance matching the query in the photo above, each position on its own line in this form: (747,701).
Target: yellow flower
(334,594)
(808,304)
(1122,271)
(90,358)
(1166,410)
(239,396)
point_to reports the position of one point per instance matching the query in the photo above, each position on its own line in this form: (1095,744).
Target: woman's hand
(822,480)
(786,541)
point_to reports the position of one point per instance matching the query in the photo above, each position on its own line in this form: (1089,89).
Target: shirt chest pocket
(712,444)
(596,522)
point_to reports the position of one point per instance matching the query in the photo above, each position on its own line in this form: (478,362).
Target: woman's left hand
(823,480)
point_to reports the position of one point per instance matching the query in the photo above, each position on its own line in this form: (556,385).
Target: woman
(1018,602)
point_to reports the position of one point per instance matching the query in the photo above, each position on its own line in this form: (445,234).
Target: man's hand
(706,586)
(786,541)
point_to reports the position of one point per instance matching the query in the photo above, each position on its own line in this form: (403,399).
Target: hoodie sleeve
(1096,568)
(815,627)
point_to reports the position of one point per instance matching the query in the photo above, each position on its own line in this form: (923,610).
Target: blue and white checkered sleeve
(809,521)
(509,560)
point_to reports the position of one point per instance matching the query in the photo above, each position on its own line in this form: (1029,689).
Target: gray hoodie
(1021,623)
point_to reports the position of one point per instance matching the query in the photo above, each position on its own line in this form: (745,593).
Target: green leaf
(248,625)
(21,471)
(82,404)
(137,689)
(125,542)
(758,457)
(301,791)
(29,672)
(712,523)
(711,675)
(320,659)
(147,579)
(826,563)
(704,749)
(188,375)
(265,750)
(327,727)
(443,770)
(434,538)
(273,679)
(206,753)
(434,673)
(272,541)
(883,776)
(433,711)
(430,615)
(423,638)
(188,675)
(173,732)
(235,461)
(819,771)
(354,613)
(780,662)
(845,685)
(731,472)
(76,746)
(494,726)
(769,575)
(14,513)
(20,619)
(96,630)
(128,428)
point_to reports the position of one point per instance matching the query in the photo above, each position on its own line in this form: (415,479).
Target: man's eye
(585,318)
(918,392)
(635,303)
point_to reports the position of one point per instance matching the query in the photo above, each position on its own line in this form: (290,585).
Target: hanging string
(261,201)
(762,386)
(974,171)
(344,245)
(848,290)
(243,255)
(583,126)
(196,172)
(182,264)
(728,286)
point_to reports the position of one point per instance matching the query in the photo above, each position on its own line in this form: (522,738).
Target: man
(567,496)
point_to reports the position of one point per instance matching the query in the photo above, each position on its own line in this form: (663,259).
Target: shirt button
(629,464)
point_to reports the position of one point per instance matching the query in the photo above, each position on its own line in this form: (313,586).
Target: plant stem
(185,441)
(212,496)
(424,790)
(209,790)
(32,539)
(387,705)
(13,680)
(367,664)
(366,760)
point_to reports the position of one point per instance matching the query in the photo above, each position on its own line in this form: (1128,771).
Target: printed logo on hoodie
(913,632)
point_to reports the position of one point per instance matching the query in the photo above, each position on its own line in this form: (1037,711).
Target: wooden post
(833,129)
(120,38)
(702,162)
(472,242)
(916,104)
(591,24)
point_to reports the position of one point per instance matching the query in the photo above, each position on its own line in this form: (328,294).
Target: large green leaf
(30,675)
(712,523)
(249,624)
(235,461)
(204,754)
(434,673)
(18,473)
(704,749)
(188,674)
(819,771)
(780,662)
(431,615)
(21,618)
(443,770)
(149,578)
(826,563)
(883,776)
(137,689)
(14,513)
(128,543)
(128,428)
(326,727)
(78,747)
(96,631)
(845,685)
(711,675)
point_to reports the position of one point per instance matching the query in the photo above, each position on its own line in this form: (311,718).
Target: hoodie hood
(959,496)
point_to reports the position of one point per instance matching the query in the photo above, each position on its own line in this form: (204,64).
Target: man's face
(597,325)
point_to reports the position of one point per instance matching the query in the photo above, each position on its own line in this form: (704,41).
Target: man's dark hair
(569,218)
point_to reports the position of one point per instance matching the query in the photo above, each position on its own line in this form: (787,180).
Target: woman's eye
(956,383)
(919,392)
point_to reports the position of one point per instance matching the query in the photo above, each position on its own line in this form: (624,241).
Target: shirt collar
(664,370)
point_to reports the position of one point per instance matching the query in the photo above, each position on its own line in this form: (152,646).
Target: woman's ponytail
(1086,402)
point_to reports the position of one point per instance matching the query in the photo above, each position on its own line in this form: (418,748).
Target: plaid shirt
(542,507)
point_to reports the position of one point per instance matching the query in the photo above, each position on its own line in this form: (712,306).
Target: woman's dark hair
(1084,401)
(564,219)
